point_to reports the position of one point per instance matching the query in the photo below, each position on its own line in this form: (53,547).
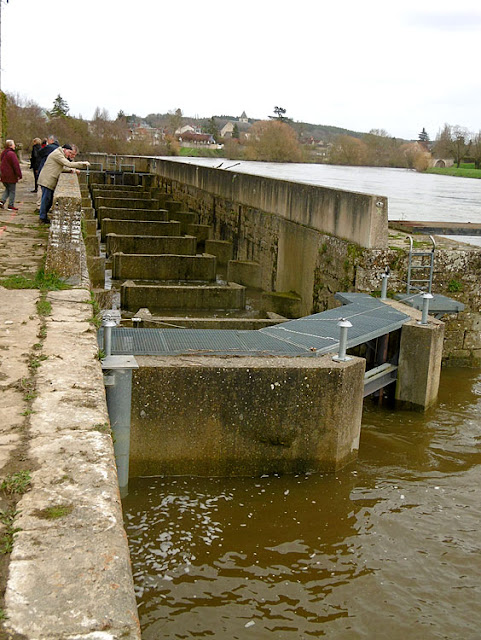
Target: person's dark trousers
(47,200)
(36,173)
(9,193)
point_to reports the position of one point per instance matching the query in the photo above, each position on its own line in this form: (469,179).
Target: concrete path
(65,568)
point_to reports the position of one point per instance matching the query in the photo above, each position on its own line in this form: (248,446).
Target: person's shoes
(2,204)
(33,191)
(13,208)
(44,220)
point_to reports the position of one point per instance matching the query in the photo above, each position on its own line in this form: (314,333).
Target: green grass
(43,281)
(7,517)
(18,482)
(199,152)
(58,511)
(44,308)
(454,171)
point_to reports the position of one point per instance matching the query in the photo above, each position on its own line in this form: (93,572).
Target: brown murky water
(388,548)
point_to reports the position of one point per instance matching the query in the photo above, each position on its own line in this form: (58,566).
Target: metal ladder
(422,264)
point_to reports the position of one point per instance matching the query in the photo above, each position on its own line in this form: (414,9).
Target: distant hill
(326,133)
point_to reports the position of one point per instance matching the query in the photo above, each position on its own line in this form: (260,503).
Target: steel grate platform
(312,335)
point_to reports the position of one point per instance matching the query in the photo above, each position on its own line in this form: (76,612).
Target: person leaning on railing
(57,162)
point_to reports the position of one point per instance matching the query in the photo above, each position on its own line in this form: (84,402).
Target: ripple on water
(388,548)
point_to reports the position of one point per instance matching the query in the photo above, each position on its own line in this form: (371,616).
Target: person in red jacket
(11,174)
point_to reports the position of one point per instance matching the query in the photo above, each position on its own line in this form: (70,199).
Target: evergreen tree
(235,131)
(211,128)
(60,108)
(423,136)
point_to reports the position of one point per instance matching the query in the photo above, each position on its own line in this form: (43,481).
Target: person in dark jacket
(51,144)
(11,174)
(35,161)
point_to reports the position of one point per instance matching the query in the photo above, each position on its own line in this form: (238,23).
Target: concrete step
(201,231)
(186,297)
(121,196)
(127,203)
(117,187)
(132,214)
(222,249)
(245,272)
(173,205)
(153,245)
(139,228)
(185,218)
(200,267)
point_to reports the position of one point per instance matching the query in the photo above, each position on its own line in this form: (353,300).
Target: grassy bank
(465,171)
(199,152)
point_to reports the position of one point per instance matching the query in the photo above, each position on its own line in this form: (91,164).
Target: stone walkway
(64,561)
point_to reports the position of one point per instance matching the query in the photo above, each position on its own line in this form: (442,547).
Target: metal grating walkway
(312,335)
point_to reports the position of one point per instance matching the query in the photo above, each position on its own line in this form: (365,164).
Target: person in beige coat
(57,162)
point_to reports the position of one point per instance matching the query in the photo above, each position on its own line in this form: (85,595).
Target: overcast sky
(398,66)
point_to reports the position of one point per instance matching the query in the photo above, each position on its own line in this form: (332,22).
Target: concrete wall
(66,251)
(244,416)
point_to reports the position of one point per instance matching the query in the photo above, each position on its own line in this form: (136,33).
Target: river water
(389,547)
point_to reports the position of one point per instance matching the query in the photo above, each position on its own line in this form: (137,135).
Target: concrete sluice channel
(388,547)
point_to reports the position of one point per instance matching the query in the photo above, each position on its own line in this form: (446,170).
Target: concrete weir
(286,406)
(244,416)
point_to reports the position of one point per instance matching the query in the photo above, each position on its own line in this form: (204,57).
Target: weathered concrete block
(90,227)
(285,303)
(127,203)
(92,245)
(139,228)
(182,245)
(163,267)
(65,247)
(113,213)
(160,195)
(96,268)
(120,196)
(103,297)
(244,272)
(201,231)
(88,213)
(95,177)
(157,297)
(244,416)
(131,179)
(107,188)
(419,369)
(173,206)
(185,218)
(222,249)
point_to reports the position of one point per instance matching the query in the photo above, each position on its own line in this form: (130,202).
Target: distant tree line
(274,140)
(26,120)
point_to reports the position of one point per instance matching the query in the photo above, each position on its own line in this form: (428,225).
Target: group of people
(48,161)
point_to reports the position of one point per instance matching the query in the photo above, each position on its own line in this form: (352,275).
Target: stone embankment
(65,561)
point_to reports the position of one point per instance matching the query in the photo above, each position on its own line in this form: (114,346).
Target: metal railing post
(344,325)
(426,298)
(384,277)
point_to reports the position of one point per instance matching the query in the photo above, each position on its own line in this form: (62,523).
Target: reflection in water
(388,547)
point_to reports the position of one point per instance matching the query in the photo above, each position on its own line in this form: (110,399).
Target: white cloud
(356,65)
